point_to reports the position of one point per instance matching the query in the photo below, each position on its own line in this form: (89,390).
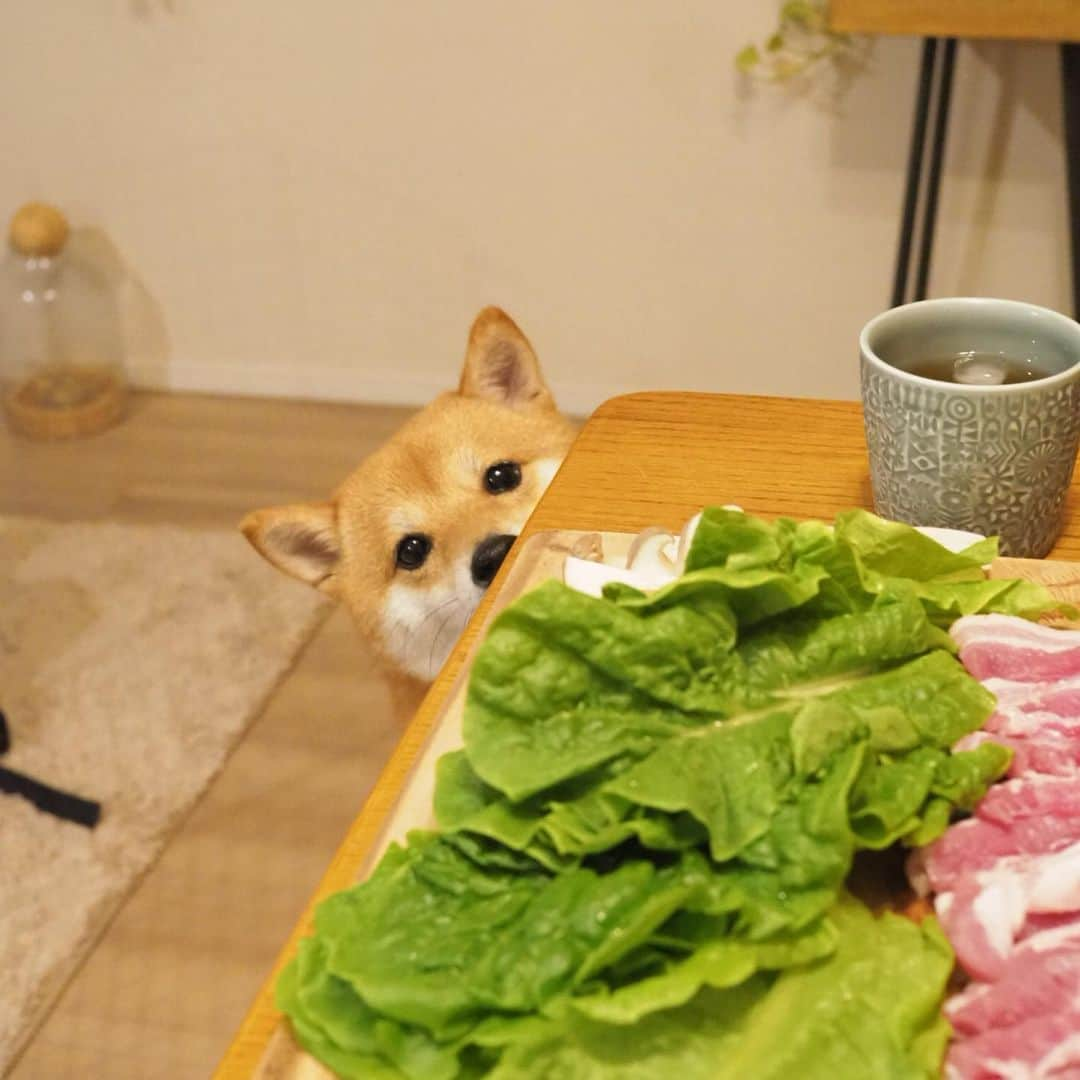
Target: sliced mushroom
(591,577)
(649,551)
(685,539)
(953,539)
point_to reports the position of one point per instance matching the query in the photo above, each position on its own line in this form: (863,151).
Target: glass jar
(61,346)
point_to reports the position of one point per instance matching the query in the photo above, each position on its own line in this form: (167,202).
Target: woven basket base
(66,403)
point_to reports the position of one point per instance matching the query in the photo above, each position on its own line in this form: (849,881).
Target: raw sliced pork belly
(1039,722)
(985,915)
(1005,647)
(1039,974)
(1008,879)
(1049,752)
(1031,816)
(1016,1026)
(1061,696)
(1045,1047)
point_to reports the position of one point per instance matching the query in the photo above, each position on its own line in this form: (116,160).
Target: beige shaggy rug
(132,658)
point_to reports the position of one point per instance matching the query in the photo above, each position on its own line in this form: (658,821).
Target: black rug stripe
(51,800)
(61,804)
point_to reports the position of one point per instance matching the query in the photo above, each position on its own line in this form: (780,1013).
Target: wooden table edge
(1052,21)
(619,401)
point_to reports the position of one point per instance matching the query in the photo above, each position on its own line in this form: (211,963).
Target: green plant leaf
(806,15)
(748,58)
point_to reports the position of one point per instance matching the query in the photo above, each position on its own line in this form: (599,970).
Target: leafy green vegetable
(658,802)
(521,742)
(891,549)
(521,936)
(869,1010)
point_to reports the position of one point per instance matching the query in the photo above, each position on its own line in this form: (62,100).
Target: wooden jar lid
(38,229)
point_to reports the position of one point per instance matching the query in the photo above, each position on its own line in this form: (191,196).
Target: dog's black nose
(488,557)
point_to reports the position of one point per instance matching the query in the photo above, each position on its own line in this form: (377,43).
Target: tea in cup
(972,413)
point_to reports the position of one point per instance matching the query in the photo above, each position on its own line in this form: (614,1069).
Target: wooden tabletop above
(1047,20)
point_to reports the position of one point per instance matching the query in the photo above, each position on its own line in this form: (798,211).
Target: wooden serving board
(540,559)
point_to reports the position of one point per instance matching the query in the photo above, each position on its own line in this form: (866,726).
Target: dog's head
(416,533)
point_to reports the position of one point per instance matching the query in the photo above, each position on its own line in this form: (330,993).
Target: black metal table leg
(937,161)
(914,170)
(933,96)
(1070,85)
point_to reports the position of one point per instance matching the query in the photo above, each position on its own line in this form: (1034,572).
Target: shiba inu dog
(417,532)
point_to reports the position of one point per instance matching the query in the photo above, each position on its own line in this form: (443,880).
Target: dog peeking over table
(413,537)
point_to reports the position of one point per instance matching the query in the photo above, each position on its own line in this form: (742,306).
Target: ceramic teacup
(992,459)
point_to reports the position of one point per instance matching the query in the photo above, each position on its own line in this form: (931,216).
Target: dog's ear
(500,364)
(301,540)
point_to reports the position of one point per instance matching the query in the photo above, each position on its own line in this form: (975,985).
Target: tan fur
(427,479)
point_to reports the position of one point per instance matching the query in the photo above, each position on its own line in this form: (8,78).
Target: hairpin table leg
(1070,85)
(933,96)
(937,161)
(914,170)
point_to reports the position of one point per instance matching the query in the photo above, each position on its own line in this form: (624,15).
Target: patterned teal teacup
(978,454)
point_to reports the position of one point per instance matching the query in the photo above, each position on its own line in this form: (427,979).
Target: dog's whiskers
(397,625)
(402,626)
(435,639)
(413,633)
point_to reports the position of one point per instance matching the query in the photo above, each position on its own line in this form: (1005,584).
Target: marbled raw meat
(1042,1048)
(1006,647)
(984,915)
(1049,752)
(1041,972)
(1030,816)
(1008,879)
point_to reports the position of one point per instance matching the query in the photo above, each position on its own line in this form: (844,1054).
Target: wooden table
(1046,20)
(644,459)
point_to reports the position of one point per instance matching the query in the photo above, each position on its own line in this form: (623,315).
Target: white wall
(318,196)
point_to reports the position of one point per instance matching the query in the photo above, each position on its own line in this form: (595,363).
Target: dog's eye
(503,476)
(412,550)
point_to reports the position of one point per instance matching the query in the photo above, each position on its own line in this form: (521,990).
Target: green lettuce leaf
(715,961)
(871,1009)
(439,934)
(333,1023)
(317,1004)
(520,741)
(949,584)
(891,549)
(864,556)
(724,782)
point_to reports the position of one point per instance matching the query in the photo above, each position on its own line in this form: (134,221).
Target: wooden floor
(171,979)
